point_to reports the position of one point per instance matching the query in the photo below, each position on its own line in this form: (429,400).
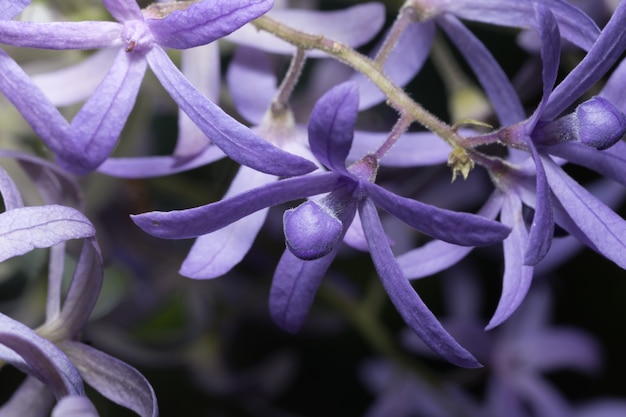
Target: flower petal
(10,9)
(205,21)
(61,35)
(496,84)
(74,406)
(123,10)
(183,224)
(114,379)
(600,225)
(11,196)
(43,359)
(610,162)
(96,128)
(294,286)
(517,276)
(216,253)
(32,398)
(27,228)
(237,141)
(331,126)
(345,26)
(407,302)
(453,227)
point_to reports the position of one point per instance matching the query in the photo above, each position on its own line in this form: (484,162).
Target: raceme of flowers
(316,162)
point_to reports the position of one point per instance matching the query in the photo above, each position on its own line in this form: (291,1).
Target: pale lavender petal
(10,9)
(43,359)
(198,221)
(201,66)
(492,78)
(600,225)
(84,289)
(345,26)
(606,51)
(252,83)
(436,256)
(354,236)
(331,126)
(74,406)
(205,21)
(158,166)
(76,83)
(237,141)
(96,128)
(216,253)
(294,286)
(574,24)
(403,63)
(453,227)
(56,266)
(517,276)
(32,398)
(411,149)
(123,10)
(410,306)
(608,407)
(27,228)
(541,396)
(61,35)
(114,379)
(11,196)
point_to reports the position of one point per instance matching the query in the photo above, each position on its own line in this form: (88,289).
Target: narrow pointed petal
(574,24)
(76,83)
(453,227)
(216,253)
(27,228)
(84,289)
(294,287)
(61,35)
(492,78)
(610,162)
(198,221)
(560,348)
(74,406)
(237,141)
(114,379)
(517,276)
(606,51)
(56,267)
(331,126)
(345,26)
(600,225)
(43,359)
(205,21)
(550,58)
(158,166)
(614,85)
(542,227)
(436,256)
(403,63)
(410,306)
(96,128)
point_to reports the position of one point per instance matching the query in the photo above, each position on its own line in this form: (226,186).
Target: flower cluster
(337,155)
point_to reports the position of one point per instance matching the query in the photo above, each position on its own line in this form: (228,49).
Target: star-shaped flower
(314,229)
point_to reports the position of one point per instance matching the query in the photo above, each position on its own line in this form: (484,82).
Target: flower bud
(311,231)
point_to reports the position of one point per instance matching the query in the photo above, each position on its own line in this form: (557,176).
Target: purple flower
(140,37)
(52,356)
(350,189)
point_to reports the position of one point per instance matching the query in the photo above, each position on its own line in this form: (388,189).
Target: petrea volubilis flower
(314,229)
(140,36)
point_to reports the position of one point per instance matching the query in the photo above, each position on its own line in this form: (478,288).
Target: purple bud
(311,231)
(601,124)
